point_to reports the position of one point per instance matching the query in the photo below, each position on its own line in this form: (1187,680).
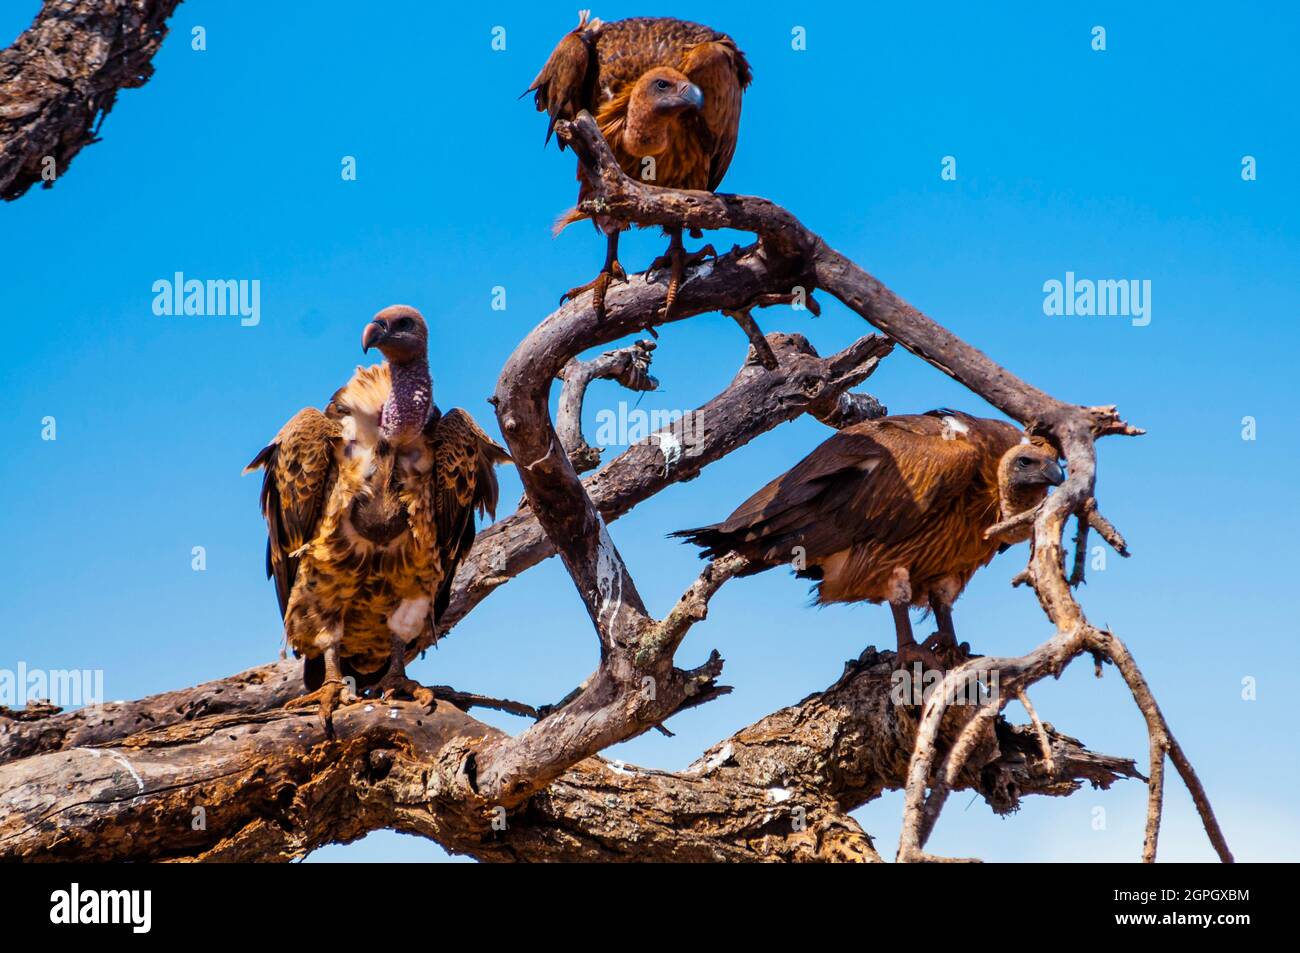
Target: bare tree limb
(61,78)
(271,786)
(788,248)
(754,402)
(630,366)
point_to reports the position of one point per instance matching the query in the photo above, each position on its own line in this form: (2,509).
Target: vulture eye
(661,84)
(1023,462)
(402,324)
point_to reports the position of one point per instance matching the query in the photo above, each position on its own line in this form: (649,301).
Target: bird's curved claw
(598,286)
(911,653)
(677,261)
(330,697)
(943,647)
(392,687)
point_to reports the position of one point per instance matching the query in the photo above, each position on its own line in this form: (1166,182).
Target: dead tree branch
(271,786)
(61,78)
(630,366)
(788,248)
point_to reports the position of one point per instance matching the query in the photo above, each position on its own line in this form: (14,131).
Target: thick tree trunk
(270,785)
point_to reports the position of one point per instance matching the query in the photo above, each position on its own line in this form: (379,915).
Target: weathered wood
(61,78)
(630,366)
(271,786)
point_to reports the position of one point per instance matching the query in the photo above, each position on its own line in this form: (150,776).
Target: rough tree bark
(61,78)
(267,784)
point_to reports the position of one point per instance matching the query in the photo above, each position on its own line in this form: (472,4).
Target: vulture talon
(391,689)
(943,647)
(396,683)
(598,286)
(910,653)
(330,697)
(678,260)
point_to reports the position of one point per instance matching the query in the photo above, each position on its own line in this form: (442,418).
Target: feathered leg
(677,260)
(610,272)
(395,681)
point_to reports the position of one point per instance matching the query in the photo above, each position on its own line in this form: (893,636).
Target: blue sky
(1122,164)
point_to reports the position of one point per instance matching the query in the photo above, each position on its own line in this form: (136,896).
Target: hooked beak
(1053,475)
(373,334)
(684,96)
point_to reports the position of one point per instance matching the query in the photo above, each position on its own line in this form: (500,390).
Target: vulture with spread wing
(369,509)
(892,510)
(666,95)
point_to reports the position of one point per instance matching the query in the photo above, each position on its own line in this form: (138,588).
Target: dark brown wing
(722,73)
(876,480)
(301,468)
(464,481)
(566,83)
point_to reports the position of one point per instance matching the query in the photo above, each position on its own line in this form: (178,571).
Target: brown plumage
(666,94)
(369,508)
(892,510)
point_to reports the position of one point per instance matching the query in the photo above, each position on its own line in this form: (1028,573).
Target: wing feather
(877,480)
(301,467)
(464,480)
(722,73)
(565,85)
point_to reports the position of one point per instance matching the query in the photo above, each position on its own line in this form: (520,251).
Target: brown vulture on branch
(369,509)
(892,510)
(666,95)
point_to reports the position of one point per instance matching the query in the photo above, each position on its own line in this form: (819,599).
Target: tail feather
(567,219)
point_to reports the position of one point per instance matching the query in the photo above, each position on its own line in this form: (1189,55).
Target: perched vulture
(892,510)
(666,95)
(369,509)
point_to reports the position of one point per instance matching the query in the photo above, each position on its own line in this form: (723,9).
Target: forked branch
(788,248)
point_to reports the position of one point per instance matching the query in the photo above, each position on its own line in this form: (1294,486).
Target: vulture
(666,95)
(369,509)
(892,510)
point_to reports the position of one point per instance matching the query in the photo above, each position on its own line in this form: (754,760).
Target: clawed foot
(391,687)
(598,286)
(940,652)
(677,260)
(911,653)
(330,697)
